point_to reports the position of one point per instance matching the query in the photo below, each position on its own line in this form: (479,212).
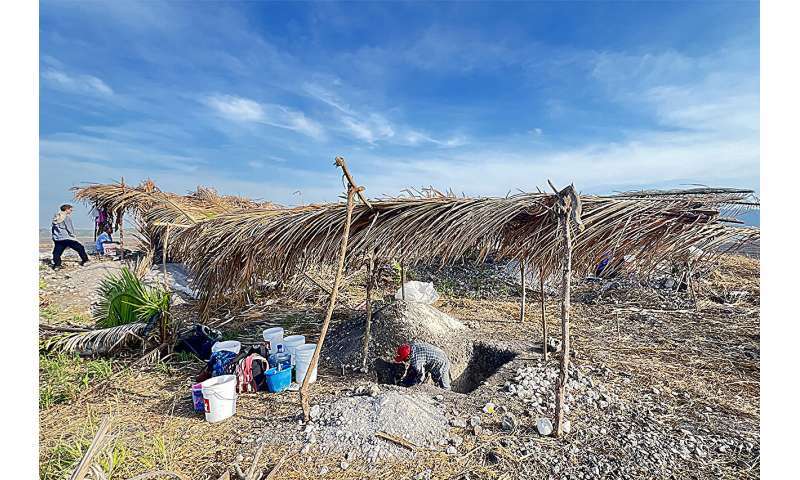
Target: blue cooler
(278,380)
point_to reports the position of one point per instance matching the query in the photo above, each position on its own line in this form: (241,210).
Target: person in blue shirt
(104,237)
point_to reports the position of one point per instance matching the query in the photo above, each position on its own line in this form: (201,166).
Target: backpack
(250,373)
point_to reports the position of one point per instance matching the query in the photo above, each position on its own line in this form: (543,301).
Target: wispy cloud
(236,108)
(209,96)
(373,127)
(110,151)
(76,83)
(244,110)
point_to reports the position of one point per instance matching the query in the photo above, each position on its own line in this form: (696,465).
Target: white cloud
(244,110)
(373,127)
(113,152)
(297,121)
(326,96)
(236,108)
(668,158)
(79,84)
(255,164)
(703,128)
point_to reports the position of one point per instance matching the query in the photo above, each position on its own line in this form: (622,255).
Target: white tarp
(418,292)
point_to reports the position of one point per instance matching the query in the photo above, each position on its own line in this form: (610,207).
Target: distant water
(85,236)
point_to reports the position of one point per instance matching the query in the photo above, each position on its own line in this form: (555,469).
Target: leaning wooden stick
(164,258)
(395,439)
(341,163)
(544,322)
(251,472)
(120,221)
(351,192)
(96,445)
(402,280)
(522,304)
(368,321)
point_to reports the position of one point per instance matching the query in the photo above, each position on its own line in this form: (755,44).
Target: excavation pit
(484,361)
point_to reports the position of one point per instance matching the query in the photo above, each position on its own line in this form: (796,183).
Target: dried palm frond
(154,210)
(232,252)
(100,341)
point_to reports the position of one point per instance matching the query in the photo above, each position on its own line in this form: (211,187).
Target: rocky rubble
(535,387)
(348,426)
(607,436)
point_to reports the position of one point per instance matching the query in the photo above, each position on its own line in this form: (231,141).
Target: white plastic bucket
(291,343)
(274,336)
(219,397)
(229,345)
(304,354)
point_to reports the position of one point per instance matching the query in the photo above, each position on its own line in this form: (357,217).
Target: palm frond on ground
(96,342)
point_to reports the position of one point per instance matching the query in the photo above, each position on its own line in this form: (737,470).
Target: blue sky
(258,98)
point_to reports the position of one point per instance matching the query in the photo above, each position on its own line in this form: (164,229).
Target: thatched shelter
(154,210)
(235,251)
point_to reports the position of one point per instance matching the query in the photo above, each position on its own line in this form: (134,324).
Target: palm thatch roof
(235,251)
(155,209)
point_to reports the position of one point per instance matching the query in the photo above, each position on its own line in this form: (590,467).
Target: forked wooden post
(565,306)
(352,191)
(569,208)
(368,321)
(544,322)
(522,303)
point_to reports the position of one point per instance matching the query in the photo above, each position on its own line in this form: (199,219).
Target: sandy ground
(671,367)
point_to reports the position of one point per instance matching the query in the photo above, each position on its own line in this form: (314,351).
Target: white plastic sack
(418,292)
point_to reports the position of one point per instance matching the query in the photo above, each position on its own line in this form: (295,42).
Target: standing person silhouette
(64,236)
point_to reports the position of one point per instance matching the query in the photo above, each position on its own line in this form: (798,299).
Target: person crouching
(424,358)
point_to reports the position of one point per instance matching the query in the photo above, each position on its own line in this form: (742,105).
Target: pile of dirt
(397,323)
(349,425)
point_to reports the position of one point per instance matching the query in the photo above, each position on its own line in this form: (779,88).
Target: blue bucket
(278,381)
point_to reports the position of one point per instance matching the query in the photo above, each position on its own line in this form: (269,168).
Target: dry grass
(710,354)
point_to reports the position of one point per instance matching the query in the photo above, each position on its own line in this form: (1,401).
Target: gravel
(348,426)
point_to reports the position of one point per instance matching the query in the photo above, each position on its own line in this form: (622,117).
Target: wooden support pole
(121,222)
(402,280)
(304,400)
(565,306)
(544,322)
(164,258)
(569,209)
(522,303)
(368,321)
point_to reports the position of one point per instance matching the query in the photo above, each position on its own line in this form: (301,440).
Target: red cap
(403,352)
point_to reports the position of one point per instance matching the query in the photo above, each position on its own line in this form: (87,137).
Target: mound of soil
(397,323)
(349,425)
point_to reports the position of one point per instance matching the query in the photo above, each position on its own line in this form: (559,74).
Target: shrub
(125,299)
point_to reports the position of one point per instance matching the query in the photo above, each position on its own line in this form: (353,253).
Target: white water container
(304,354)
(274,336)
(291,343)
(229,345)
(219,397)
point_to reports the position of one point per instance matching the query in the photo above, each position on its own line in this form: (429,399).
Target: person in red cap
(424,358)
